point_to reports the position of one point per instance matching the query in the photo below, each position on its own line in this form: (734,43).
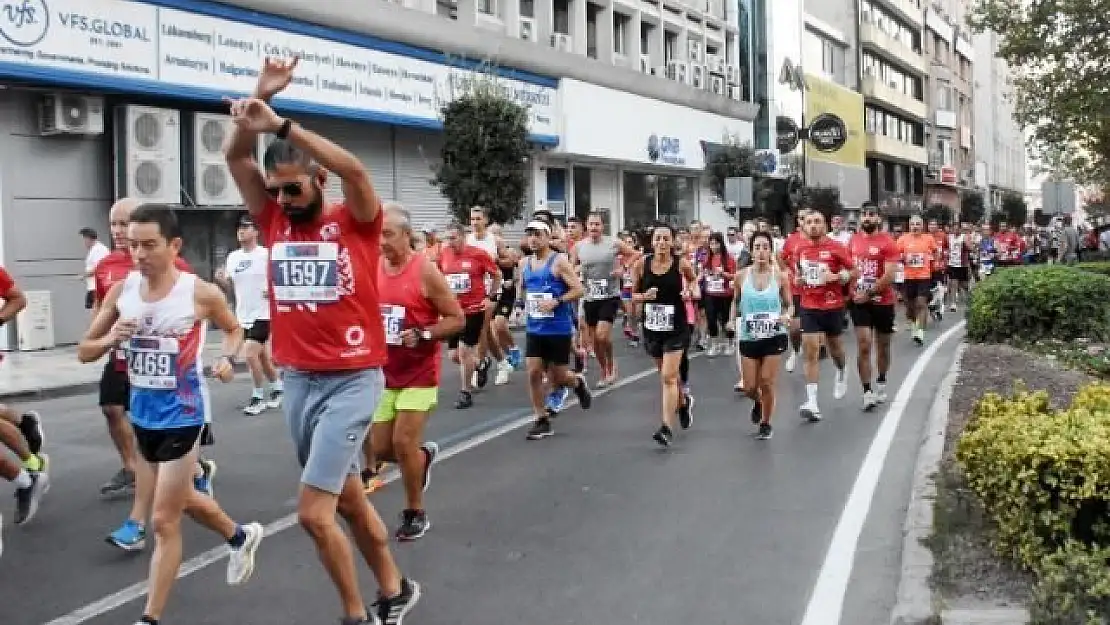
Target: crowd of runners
(352,303)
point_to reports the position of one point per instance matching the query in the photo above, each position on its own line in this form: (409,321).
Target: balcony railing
(873,38)
(874,89)
(896,150)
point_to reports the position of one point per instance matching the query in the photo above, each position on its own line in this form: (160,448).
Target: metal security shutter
(371,143)
(417,153)
(603,196)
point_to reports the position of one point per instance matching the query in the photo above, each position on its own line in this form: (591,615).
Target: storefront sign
(129,41)
(786,134)
(835,115)
(948,175)
(665,150)
(828,133)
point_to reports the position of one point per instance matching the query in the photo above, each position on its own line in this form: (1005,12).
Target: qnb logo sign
(24,22)
(665,150)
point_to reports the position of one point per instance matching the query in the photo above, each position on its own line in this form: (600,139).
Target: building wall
(835,22)
(1000,144)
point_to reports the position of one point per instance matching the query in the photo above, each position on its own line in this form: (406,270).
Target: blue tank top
(759,314)
(540,284)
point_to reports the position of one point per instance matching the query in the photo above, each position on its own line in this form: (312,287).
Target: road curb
(77,388)
(915,603)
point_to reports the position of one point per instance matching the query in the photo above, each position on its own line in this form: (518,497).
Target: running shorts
(918,288)
(552,349)
(115,390)
(658,343)
(827,322)
(505,302)
(166,445)
(959,274)
(594,312)
(471,332)
(259,331)
(416,399)
(763,348)
(878,317)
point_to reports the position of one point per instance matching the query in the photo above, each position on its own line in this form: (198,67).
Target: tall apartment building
(999,140)
(951,110)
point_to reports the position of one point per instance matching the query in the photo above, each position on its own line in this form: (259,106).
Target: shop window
(639,200)
(556,184)
(527,8)
(489,7)
(677,199)
(582,204)
(561,14)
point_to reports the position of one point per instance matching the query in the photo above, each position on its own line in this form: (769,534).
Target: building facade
(102,99)
(999,142)
(950,138)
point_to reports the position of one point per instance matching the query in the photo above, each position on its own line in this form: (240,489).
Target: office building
(950,139)
(999,140)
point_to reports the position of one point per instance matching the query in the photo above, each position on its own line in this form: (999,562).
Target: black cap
(246,220)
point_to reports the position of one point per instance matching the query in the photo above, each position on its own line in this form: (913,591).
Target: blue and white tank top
(164,365)
(759,313)
(542,284)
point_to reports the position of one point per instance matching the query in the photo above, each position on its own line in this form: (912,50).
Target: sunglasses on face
(290,189)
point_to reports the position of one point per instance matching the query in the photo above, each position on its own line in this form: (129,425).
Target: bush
(1029,304)
(1102,267)
(1044,479)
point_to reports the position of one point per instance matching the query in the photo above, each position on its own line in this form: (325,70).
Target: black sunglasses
(290,189)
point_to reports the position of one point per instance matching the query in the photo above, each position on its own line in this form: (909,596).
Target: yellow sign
(824,97)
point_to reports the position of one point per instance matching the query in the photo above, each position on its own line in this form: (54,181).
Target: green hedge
(1100,266)
(1037,302)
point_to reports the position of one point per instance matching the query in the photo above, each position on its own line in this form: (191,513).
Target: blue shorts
(329,417)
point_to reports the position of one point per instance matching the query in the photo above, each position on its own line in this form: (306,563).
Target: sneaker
(810,411)
(582,391)
(31,428)
(240,565)
(880,392)
(414,524)
(540,429)
(392,611)
(481,374)
(919,336)
(122,483)
(503,371)
(27,500)
(840,387)
(516,358)
(256,406)
(203,482)
(274,400)
(131,536)
(765,432)
(370,478)
(869,400)
(952,308)
(431,452)
(466,400)
(791,361)
(686,412)
(558,399)
(663,435)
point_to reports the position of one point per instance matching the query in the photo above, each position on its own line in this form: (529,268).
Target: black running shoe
(414,524)
(540,429)
(31,428)
(686,412)
(765,432)
(392,611)
(481,373)
(582,390)
(466,400)
(663,436)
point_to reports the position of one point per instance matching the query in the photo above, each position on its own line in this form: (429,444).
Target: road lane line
(827,601)
(496,427)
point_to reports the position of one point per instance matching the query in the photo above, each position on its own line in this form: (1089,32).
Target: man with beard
(876,257)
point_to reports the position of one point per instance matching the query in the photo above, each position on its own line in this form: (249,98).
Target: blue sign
(665,150)
(767,161)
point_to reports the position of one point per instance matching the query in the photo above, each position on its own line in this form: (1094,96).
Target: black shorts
(167,445)
(596,311)
(552,349)
(505,302)
(115,389)
(878,317)
(914,289)
(259,332)
(471,332)
(763,348)
(939,277)
(959,274)
(658,343)
(90,299)
(828,322)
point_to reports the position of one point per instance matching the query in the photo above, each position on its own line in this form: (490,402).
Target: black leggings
(716,314)
(684,367)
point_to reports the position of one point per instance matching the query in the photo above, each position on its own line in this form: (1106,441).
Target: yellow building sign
(825,97)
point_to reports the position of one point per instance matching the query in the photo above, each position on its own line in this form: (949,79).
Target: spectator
(95,252)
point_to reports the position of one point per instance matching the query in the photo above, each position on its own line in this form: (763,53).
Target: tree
(1060,59)
(485,152)
(940,213)
(1013,211)
(732,160)
(825,200)
(972,207)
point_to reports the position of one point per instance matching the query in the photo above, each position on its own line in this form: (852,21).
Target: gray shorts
(329,418)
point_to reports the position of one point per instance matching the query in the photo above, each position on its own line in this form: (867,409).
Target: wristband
(283,131)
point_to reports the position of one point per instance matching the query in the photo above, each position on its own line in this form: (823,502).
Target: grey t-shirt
(597,262)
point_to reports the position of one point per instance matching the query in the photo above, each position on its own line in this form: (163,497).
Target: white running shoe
(810,411)
(870,400)
(503,371)
(880,393)
(840,388)
(791,361)
(240,565)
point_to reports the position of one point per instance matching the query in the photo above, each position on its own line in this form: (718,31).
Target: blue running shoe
(130,536)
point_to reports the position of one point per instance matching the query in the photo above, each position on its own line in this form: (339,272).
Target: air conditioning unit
(645,63)
(695,51)
(211,181)
(561,42)
(735,92)
(528,29)
(148,154)
(557,207)
(678,72)
(699,75)
(715,63)
(35,323)
(70,114)
(733,74)
(717,85)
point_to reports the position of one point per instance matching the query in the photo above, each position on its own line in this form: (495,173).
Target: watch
(425,334)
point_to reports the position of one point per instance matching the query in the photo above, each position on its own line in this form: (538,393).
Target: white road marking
(208,558)
(827,601)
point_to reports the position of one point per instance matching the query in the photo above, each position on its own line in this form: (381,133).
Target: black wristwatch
(283,131)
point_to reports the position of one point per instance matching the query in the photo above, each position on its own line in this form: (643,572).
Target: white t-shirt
(842,237)
(96,254)
(248,272)
(735,249)
(489,244)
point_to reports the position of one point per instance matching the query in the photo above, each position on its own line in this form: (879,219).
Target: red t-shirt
(466,272)
(324,305)
(941,237)
(811,259)
(1010,247)
(789,249)
(871,253)
(113,269)
(404,306)
(719,286)
(7,283)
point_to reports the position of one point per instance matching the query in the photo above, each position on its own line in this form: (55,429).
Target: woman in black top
(662,281)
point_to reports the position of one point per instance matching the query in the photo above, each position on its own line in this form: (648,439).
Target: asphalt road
(594,525)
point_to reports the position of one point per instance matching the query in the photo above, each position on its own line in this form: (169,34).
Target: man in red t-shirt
(788,264)
(1009,245)
(327,328)
(466,268)
(876,257)
(823,268)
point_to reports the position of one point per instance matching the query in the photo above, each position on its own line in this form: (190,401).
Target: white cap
(538,225)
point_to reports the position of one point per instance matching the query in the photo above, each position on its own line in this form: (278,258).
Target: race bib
(813,274)
(659,317)
(152,362)
(956,256)
(532,306)
(459,283)
(900,274)
(715,286)
(393,319)
(597,289)
(761,325)
(915,261)
(305,272)
(627,281)
(865,284)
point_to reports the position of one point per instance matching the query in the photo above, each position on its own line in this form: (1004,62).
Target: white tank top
(489,244)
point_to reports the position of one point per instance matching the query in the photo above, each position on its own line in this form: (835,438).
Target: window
(828,57)
(645,38)
(620,32)
(489,7)
(561,14)
(527,8)
(651,197)
(944,98)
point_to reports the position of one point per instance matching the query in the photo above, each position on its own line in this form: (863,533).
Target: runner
(762,308)
(419,310)
(327,331)
(158,315)
(482,237)
(938,295)
(245,273)
(960,250)
(467,269)
(876,258)
(823,269)
(919,250)
(504,306)
(661,291)
(550,286)
(596,256)
(628,307)
(788,262)
(719,272)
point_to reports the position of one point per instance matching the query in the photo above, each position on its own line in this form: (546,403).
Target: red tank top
(323,290)
(404,306)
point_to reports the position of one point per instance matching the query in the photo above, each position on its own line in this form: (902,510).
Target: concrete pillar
(468,13)
(545,20)
(604,34)
(578,26)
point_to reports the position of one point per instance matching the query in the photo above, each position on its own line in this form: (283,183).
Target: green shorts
(395,400)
